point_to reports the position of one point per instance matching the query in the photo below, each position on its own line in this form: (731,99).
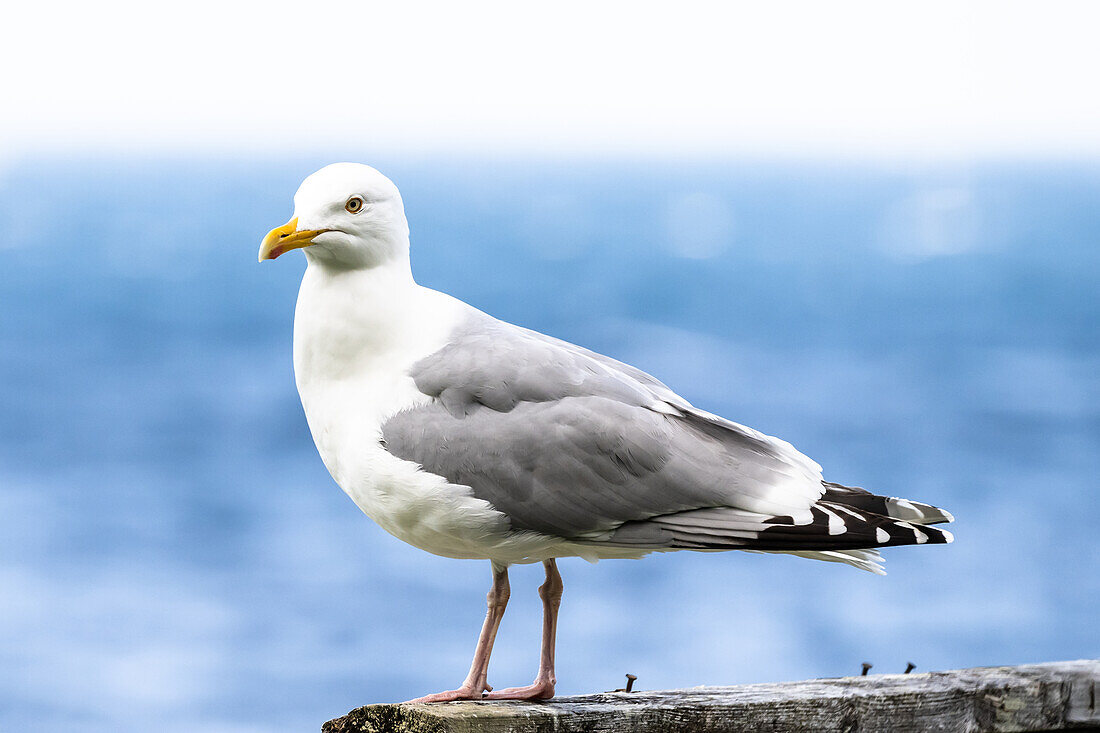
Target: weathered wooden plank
(1040,697)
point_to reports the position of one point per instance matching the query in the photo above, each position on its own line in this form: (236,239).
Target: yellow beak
(285,238)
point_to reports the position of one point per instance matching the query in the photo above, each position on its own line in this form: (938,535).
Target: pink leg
(543,686)
(476,683)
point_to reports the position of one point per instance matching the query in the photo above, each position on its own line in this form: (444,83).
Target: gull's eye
(354,205)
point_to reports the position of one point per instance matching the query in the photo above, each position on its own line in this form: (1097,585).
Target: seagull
(469,437)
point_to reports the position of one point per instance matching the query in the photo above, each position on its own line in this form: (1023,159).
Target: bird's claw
(540,690)
(466,692)
(462,693)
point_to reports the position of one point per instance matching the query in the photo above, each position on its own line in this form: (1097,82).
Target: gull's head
(346,215)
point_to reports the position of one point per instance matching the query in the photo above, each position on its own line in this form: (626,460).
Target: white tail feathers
(869,560)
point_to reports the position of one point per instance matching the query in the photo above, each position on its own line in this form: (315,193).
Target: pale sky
(821,78)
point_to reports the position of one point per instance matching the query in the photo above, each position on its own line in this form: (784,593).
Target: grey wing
(570,443)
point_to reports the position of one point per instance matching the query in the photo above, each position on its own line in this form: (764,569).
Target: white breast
(356,334)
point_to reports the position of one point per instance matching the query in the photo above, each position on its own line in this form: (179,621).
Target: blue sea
(174,556)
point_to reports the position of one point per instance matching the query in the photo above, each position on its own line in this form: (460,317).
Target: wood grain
(1040,697)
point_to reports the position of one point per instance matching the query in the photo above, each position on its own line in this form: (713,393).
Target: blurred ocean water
(172,549)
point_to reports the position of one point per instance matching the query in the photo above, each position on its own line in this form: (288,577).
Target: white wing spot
(882,535)
(836,523)
(904,509)
(802,517)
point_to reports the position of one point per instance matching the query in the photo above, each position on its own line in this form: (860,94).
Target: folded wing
(570,443)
